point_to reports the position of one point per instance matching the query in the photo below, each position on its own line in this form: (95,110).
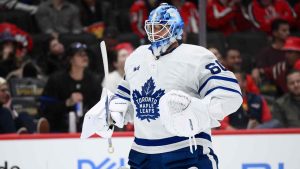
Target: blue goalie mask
(163,27)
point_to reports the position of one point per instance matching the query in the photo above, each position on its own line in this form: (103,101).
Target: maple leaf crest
(147,101)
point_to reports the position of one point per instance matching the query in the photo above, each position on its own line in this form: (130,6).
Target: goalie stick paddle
(104,93)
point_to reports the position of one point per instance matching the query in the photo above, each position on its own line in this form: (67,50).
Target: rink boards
(261,149)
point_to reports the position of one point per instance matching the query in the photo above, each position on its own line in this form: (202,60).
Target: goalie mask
(163,27)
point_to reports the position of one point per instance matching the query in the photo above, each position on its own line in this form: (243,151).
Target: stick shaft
(104,58)
(106,71)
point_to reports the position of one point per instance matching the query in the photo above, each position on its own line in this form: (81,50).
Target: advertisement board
(235,151)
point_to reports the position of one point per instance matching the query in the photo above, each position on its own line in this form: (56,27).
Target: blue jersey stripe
(123,89)
(223,88)
(169,140)
(218,78)
(122,97)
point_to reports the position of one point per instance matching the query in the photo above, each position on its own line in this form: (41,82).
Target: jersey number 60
(215,68)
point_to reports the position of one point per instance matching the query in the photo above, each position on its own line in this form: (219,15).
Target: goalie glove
(96,119)
(183,115)
(109,110)
(118,108)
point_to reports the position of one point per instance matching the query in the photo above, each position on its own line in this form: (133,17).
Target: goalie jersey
(189,68)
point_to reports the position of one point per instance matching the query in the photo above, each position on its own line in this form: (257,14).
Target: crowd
(51,70)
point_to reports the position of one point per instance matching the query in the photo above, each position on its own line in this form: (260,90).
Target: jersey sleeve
(219,86)
(123,90)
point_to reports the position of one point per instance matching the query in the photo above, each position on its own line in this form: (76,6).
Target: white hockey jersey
(189,68)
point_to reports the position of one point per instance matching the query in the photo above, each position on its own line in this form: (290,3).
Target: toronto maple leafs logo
(147,101)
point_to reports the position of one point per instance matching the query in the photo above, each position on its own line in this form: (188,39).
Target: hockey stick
(104,93)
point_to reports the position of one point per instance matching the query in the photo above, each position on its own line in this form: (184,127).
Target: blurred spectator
(123,50)
(90,12)
(225,15)
(110,37)
(287,108)
(277,73)
(189,14)
(274,53)
(11,121)
(263,12)
(253,113)
(91,15)
(10,61)
(217,53)
(58,16)
(75,89)
(7,45)
(23,39)
(6,118)
(22,44)
(233,59)
(15,5)
(54,60)
(233,62)
(138,15)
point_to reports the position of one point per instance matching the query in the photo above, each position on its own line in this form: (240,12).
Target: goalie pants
(178,159)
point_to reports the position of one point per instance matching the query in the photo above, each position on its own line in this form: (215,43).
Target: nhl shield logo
(147,101)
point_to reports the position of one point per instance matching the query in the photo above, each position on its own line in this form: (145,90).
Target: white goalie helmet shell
(167,17)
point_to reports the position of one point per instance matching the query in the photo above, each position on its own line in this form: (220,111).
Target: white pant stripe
(211,158)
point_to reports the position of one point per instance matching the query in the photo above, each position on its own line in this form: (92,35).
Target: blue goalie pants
(178,159)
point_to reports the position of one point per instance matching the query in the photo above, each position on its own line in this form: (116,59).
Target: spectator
(91,15)
(67,89)
(277,73)
(233,62)
(263,12)
(8,60)
(13,64)
(233,59)
(23,39)
(287,108)
(274,53)
(7,45)
(138,15)
(123,50)
(14,4)
(58,16)
(110,37)
(90,12)
(217,53)
(7,124)
(190,15)
(11,121)
(55,59)
(222,15)
(253,113)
